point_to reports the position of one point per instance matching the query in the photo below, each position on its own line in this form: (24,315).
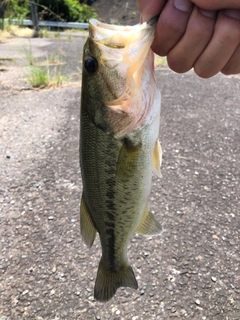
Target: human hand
(216,4)
(193,34)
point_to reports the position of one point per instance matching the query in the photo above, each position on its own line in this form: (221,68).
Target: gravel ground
(191,271)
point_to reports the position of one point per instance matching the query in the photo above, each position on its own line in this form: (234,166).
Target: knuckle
(228,31)
(173,26)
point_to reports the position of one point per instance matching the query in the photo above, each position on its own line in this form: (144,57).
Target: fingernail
(232,13)
(183,5)
(208,13)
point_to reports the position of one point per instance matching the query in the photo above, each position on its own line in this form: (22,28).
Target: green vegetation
(29,55)
(42,77)
(38,76)
(54,10)
(47,73)
(18,9)
(55,58)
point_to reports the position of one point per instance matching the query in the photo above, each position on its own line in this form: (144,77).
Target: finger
(198,33)
(222,46)
(171,25)
(150,8)
(216,4)
(233,65)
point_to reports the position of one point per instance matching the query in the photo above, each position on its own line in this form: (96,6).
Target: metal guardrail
(49,24)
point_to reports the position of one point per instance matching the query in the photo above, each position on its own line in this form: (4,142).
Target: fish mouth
(127,49)
(118,37)
(128,45)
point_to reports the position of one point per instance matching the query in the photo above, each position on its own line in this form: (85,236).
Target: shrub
(55,10)
(65,10)
(18,9)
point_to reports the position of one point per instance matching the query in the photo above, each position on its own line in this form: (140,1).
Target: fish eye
(91,65)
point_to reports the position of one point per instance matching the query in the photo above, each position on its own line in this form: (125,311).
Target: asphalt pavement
(191,271)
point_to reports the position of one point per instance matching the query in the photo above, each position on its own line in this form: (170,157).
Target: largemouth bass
(119,147)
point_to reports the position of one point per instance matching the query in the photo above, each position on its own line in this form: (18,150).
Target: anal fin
(148,225)
(157,159)
(88,231)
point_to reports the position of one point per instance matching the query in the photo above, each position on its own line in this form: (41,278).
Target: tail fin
(108,282)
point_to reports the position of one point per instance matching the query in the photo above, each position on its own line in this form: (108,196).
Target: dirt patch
(191,271)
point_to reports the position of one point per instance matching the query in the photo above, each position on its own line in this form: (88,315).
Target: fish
(119,146)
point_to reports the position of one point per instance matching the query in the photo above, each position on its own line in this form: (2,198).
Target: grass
(44,33)
(38,77)
(55,58)
(15,31)
(29,55)
(41,74)
(42,77)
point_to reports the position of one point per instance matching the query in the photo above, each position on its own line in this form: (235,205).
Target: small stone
(214,279)
(142,292)
(25,292)
(3,266)
(50,218)
(170,287)
(173,310)
(197,302)
(52,292)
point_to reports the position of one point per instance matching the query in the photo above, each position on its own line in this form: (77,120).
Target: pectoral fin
(148,226)
(88,231)
(128,156)
(157,159)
